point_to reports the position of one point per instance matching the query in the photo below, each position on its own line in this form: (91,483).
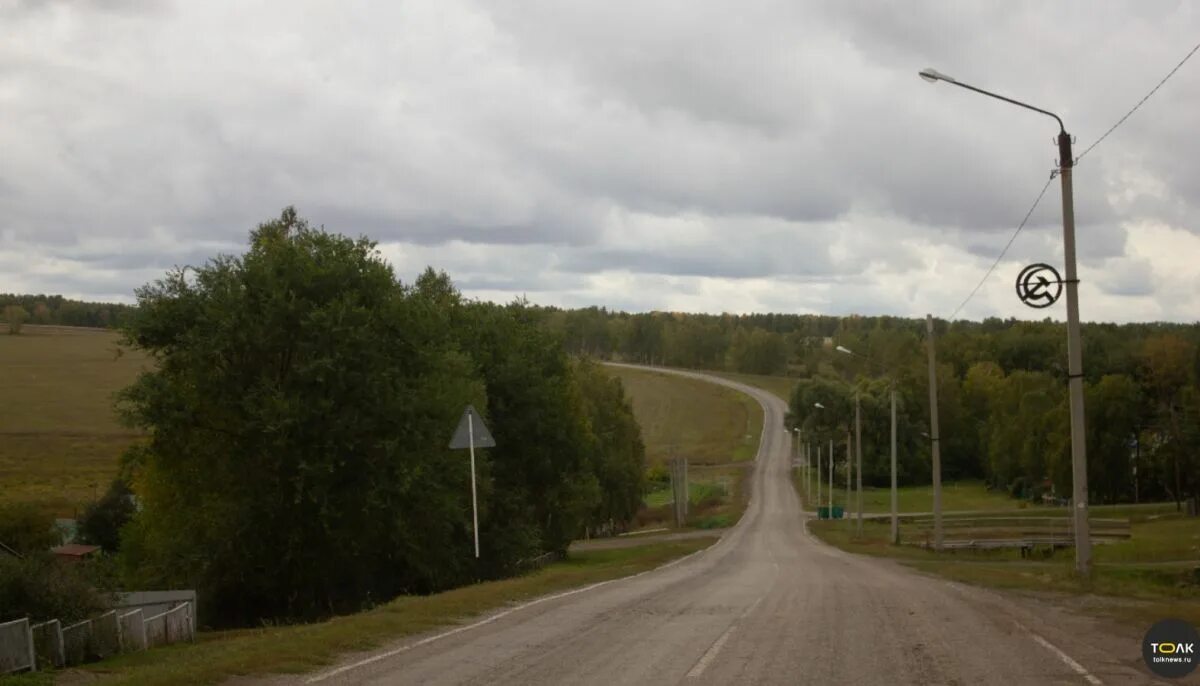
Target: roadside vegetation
(1157,569)
(299,409)
(291,649)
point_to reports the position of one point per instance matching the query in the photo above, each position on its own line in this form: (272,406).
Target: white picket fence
(23,647)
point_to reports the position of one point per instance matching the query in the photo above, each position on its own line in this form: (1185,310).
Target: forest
(57,310)
(1002,391)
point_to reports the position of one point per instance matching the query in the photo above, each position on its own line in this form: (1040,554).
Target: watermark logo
(1169,648)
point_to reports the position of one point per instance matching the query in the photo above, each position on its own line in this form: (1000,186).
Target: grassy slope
(716,427)
(706,423)
(781,386)
(293,649)
(59,436)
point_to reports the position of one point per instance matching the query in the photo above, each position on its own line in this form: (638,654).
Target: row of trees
(299,413)
(1003,408)
(1002,391)
(55,309)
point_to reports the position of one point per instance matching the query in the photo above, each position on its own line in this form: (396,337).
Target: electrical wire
(1140,102)
(1003,252)
(1038,200)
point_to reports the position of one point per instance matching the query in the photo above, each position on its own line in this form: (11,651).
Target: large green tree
(298,410)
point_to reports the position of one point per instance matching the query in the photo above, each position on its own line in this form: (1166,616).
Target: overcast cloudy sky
(697,156)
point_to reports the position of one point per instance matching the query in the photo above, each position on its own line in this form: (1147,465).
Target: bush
(41,587)
(655,476)
(712,522)
(102,521)
(26,529)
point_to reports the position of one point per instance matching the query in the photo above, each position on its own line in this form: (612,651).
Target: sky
(687,155)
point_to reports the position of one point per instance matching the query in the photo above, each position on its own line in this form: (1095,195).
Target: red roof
(75,549)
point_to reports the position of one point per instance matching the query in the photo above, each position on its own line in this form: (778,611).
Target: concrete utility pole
(804,461)
(1079,484)
(679,489)
(892,390)
(1066,162)
(895,516)
(934,438)
(818,476)
(858,458)
(849,471)
(831,478)
(808,462)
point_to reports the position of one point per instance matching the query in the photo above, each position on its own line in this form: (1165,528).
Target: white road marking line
(1079,669)
(488,620)
(711,654)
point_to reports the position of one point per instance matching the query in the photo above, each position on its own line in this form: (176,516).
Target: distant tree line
(299,413)
(55,309)
(1001,383)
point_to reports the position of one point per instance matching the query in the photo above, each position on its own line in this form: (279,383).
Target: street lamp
(819,406)
(857,447)
(1083,544)
(800,454)
(892,392)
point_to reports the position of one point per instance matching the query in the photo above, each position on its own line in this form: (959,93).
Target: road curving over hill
(767,604)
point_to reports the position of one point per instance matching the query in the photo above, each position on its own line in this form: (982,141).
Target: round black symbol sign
(1169,648)
(1039,285)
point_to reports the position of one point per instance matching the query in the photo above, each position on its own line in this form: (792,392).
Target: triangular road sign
(471,423)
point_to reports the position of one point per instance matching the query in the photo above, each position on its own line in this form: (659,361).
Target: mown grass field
(60,439)
(682,417)
(219,656)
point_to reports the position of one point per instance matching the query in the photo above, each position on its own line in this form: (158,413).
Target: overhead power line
(1003,252)
(1140,102)
(1038,200)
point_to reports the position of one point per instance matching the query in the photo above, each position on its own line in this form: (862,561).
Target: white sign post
(466,436)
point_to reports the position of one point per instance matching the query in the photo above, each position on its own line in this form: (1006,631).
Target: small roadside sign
(471,423)
(471,434)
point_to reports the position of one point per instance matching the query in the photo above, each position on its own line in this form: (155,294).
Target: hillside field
(704,422)
(60,439)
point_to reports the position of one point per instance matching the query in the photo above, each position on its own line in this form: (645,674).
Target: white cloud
(705,156)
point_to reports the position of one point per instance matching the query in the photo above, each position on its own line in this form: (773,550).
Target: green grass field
(704,422)
(956,496)
(219,656)
(59,436)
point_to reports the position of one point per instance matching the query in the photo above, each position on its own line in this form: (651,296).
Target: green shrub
(102,521)
(712,522)
(41,587)
(26,529)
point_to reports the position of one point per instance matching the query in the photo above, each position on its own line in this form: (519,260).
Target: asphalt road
(767,604)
